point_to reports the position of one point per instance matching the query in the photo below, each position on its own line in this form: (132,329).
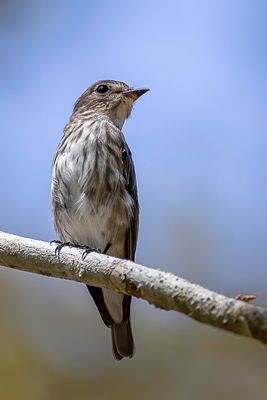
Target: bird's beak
(134,94)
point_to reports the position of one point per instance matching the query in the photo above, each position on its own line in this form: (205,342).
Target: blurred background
(199,144)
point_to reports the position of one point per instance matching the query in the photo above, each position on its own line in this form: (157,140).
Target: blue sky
(198,137)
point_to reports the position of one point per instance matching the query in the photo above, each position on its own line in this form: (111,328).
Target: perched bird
(94,192)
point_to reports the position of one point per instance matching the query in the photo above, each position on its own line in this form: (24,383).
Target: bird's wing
(129,175)
(132,231)
(122,338)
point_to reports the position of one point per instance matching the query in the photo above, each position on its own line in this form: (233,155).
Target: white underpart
(82,224)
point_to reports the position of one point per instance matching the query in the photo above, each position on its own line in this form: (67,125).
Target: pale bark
(163,289)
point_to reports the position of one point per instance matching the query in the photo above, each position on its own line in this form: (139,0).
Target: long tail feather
(122,340)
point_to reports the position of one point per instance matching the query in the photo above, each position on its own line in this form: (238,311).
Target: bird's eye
(102,88)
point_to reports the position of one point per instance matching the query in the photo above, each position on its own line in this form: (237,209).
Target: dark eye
(102,88)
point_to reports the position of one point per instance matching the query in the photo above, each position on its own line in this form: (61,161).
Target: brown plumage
(94,192)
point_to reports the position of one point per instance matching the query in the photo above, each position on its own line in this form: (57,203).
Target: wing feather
(130,178)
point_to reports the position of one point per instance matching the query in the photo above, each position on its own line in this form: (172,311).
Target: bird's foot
(55,241)
(60,245)
(89,250)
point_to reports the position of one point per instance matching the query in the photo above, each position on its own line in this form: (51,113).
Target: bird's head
(113,99)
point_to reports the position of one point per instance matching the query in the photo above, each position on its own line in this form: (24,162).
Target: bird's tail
(122,340)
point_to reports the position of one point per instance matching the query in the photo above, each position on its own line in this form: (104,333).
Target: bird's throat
(121,112)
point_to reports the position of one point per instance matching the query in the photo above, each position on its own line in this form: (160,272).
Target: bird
(94,193)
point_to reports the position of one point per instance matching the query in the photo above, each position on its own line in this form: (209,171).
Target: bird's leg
(106,248)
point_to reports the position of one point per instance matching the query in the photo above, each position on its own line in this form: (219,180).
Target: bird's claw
(89,250)
(60,246)
(55,241)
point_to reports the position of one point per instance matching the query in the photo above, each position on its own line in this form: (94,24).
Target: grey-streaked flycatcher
(94,192)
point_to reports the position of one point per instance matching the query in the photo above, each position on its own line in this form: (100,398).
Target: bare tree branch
(164,290)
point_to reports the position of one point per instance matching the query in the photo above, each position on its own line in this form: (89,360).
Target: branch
(164,290)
